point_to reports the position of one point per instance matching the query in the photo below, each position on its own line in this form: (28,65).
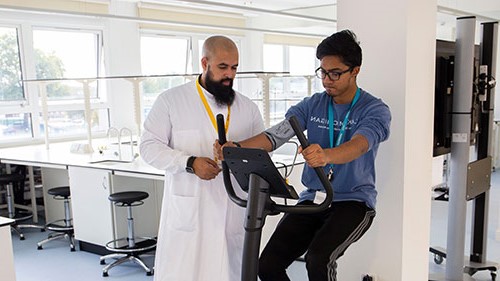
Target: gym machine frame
(257,175)
(470,181)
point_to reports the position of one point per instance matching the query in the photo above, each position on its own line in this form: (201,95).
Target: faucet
(119,135)
(123,131)
(109,135)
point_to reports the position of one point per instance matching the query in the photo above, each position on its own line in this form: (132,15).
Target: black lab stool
(16,178)
(62,228)
(130,247)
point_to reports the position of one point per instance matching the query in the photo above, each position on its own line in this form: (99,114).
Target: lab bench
(92,177)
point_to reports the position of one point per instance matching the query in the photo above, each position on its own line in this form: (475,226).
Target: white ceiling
(315,17)
(489,9)
(280,6)
(319,16)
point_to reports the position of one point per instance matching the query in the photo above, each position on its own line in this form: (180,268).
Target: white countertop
(59,156)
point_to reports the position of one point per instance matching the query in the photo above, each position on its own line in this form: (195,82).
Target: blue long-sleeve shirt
(370,117)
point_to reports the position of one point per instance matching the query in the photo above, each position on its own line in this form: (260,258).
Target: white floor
(56,263)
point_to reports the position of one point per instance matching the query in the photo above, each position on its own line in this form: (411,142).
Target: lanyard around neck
(209,110)
(331,119)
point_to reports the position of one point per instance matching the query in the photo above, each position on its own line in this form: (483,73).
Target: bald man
(201,231)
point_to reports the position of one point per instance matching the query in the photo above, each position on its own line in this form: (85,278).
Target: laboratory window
(56,56)
(286,91)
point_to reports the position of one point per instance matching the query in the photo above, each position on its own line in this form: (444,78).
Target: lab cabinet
(96,220)
(92,217)
(8,272)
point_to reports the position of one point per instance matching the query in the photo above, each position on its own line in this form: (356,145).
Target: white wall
(398,66)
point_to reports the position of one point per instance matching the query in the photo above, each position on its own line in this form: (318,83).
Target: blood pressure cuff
(280,133)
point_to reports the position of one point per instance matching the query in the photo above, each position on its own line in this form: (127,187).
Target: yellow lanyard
(209,110)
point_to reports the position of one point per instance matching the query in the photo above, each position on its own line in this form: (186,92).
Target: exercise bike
(257,175)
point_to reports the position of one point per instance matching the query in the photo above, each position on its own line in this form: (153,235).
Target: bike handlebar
(297,209)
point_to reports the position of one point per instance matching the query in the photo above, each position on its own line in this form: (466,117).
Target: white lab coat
(201,230)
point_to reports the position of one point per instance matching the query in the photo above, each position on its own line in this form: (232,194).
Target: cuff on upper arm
(280,133)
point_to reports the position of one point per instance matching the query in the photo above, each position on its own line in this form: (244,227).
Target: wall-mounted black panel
(443,97)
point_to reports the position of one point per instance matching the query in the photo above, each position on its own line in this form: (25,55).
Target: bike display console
(245,161)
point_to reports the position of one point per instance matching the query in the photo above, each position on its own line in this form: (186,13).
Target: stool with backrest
(129,248)
(16,179)
(62,228)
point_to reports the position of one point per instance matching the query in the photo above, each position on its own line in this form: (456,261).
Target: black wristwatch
(189,165)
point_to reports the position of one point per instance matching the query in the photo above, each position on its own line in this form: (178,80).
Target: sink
(109,162)
(134,143)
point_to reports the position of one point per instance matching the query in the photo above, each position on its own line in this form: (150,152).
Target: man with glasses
(345,125)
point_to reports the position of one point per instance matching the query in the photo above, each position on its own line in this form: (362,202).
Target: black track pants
(324,236)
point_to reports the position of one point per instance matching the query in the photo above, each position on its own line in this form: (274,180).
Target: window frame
(315,87)
(32,99)
(24,101)
(193,55)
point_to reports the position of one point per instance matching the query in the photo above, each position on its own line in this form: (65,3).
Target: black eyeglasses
(333,75)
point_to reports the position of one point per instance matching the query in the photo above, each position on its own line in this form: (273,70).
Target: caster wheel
(21,238)
(149,273)
(39,248)
(102,262)
(438,259)
(493,276)
(105,274)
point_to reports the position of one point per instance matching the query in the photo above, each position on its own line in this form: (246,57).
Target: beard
(224,95)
